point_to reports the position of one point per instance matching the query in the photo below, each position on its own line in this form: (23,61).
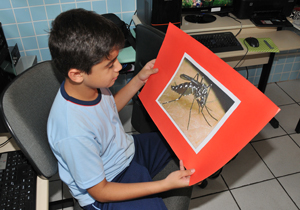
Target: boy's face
(105,73)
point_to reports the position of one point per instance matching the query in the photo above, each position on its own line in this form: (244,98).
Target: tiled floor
(266,173)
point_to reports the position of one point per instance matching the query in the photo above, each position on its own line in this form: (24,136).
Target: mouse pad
(265,45)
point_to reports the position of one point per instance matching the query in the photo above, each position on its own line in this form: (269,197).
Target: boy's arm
(123,96)
(111,191)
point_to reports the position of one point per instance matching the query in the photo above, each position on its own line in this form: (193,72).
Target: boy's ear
(75,75)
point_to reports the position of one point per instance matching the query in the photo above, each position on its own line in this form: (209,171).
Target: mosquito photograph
(196,103)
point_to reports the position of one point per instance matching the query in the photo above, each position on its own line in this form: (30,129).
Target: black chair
(297,129)
(25,105)
(148,43)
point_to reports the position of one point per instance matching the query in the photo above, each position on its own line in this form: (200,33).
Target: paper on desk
(205,109)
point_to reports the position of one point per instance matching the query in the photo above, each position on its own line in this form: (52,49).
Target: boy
(104,167)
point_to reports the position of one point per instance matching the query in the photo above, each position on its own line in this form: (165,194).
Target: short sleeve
(82,159)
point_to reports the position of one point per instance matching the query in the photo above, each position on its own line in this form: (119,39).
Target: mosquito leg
(210,113)
(205,117)
(209,109)
(196,76)
(173,100)
(182,94)
(190,114)
(199,104)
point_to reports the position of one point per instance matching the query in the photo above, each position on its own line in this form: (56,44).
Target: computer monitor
(202,11)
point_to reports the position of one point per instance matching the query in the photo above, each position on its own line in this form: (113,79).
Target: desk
(42,185)
(285,40)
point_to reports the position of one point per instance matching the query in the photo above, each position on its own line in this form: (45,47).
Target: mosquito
(198,89)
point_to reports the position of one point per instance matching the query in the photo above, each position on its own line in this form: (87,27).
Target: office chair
(25,105)
(148,42)
(297,129)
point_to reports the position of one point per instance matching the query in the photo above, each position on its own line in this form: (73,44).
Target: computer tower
(244,9)
(6,63)
(159,13)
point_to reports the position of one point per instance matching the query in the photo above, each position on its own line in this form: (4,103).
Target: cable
(247,72)
(4,143)
(240,24)
(131,20)
(243,56)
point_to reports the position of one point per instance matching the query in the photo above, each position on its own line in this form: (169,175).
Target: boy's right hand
(180,178)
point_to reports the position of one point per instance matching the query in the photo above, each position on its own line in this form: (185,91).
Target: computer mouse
(253,42)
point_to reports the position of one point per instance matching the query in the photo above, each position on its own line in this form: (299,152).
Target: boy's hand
(111,191)
(146,71)
(123,96)
(180,178)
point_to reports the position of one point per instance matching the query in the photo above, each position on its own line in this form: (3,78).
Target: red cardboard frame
(249,112)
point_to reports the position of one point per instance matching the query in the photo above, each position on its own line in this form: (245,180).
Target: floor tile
(55,177)
(292,88)
(125,117)
(268,195)
(250,176)
(66,192)
(245,169)
(288,117)
(292,185)
(223,200)
(55,191)
(268,132)
(214,186)
(277,95)
(281,154)
(69,208)
(296,138)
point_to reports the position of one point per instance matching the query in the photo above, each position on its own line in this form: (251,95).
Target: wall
(26,22)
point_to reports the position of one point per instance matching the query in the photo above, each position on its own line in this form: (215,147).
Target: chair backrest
(148,43)
(25,105)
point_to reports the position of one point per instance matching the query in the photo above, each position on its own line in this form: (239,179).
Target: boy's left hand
(146,71)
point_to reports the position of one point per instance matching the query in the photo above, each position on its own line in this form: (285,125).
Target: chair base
(297,129)
(61,204)
(177,199)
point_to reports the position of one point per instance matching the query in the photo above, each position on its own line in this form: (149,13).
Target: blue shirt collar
(77,101)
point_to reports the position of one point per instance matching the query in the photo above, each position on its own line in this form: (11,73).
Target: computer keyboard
(17,182)
(219,42)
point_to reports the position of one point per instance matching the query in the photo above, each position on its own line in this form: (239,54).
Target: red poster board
(204,108)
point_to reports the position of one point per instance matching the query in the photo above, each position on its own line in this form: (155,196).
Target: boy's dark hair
(80,39)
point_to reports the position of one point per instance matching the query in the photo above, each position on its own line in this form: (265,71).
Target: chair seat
(178,199)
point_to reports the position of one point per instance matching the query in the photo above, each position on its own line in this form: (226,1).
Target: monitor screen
(200,11)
